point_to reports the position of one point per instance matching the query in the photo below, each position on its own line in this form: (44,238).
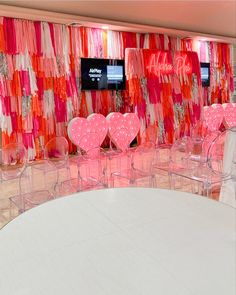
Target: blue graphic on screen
(205,74)
(114,74)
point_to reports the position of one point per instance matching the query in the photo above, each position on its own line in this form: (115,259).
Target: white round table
(121,242)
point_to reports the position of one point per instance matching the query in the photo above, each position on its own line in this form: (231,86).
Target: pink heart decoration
(229,114)
(88,133)
(213,116)
(122,129)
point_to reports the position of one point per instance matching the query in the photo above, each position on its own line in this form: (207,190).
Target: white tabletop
(121,241)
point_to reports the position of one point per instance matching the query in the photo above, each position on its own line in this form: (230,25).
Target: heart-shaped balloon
(88,133)
(229,114)
(122,129)
(213,116)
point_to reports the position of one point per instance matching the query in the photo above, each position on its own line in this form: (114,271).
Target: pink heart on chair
(122,129)
(88,133)
(213,116)
(229,114)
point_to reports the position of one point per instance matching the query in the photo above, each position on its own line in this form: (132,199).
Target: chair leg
(206,188)
(152,181)
(192,187)
(171,181)
(132,182)
(22,199)
(13,210)
(112,181)
(68,173)
(12,216)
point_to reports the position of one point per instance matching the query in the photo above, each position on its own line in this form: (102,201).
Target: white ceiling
(209,17)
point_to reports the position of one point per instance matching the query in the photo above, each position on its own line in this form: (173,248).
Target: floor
(35,173)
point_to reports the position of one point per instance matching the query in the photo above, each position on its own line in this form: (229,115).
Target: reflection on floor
(11,187)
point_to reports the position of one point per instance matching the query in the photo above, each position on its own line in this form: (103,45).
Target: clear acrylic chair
(92,171)
(221,149)
(216,172)
(119,151)
(201,138)
(163,156)
(31,195)
(207,178)
(163,150)
(201,145)
(228,188)
(91,166)
(13,161)
(178,165)
(13,164)
(137,169)
(180,161)
(4,211)
(56,159)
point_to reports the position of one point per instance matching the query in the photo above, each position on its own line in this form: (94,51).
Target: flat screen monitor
(205,74)
(102,74)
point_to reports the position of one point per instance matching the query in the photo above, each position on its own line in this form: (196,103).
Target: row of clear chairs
(99,167)
(198,159)
(204,164)
(201,163)
(34,189)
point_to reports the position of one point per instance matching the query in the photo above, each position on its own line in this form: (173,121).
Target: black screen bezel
(99,62)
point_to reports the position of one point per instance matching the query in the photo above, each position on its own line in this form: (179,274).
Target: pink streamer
(10,35)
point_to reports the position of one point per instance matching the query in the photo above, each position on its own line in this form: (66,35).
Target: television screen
(101,74)
(205,73)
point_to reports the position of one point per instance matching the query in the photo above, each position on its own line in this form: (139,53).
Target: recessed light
(75,24)
(105,27)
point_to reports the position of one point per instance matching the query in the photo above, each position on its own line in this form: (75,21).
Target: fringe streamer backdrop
(40,79)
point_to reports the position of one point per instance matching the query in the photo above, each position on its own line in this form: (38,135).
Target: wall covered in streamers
(40,76)
(166,89)
(220,57)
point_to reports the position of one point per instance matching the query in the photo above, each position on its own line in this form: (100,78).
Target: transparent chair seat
(119,151)
(29,200)
(84,184)
(13,164)
(32,193)
(163,151)
(211,173)
(13,161)
(136,167)
(92,172)
(201,145)
(131,174)
(56,154)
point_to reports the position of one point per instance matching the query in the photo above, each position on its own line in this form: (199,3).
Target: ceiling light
(75,24)
(105,27)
